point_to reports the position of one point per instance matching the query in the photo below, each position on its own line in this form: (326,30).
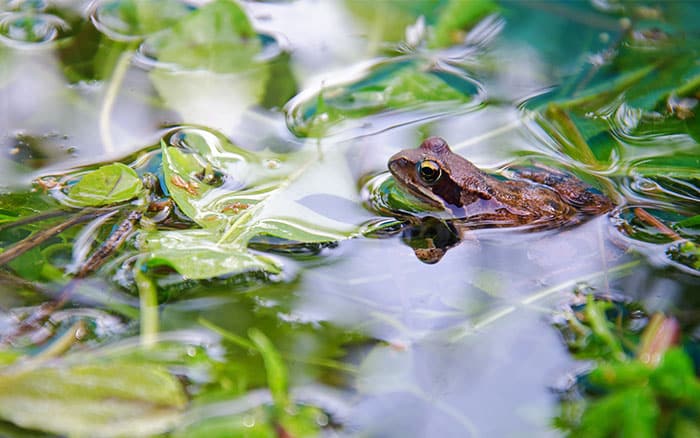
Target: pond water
(249,267)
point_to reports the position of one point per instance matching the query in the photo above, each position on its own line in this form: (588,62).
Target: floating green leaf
(108,184)
(272,201)
(102,399)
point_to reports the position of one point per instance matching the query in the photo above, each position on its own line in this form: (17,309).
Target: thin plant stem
(115,84)
(42,236)
(148,300)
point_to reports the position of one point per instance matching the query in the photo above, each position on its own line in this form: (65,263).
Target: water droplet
(646,185)
(249,421)
(26,28)
(322,419)
(271,164)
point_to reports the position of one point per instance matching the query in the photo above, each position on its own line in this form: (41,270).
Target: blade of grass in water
(473,328)
(274,367)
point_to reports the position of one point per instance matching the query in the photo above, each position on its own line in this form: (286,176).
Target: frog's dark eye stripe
(429,171)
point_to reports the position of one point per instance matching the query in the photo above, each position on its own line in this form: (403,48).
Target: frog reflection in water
(539,197)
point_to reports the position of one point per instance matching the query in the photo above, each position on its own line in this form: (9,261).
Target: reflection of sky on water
(36,100)
(438,373)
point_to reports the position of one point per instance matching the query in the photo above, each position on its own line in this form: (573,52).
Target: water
(263,205)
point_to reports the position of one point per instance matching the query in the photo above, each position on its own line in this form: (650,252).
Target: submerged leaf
(402,84)
(457,17)
(137,18)
(196,254)
(275,368)
(217,37)
(109,184)
(104,399)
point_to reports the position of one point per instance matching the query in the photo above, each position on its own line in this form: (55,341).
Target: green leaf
(217,37)
(254,423)
(275,368)
(630,413)
(620,375)
(179,170)
(457,17)
(686,253)
(134,18)
(279,200)
(108,184)
(675,379)
(595,315)
(103,399)
(197,254)
(406,84)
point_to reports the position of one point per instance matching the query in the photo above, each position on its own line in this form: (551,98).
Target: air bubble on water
(271,164)
(249,421)
(322,419)
(30,29)
(645,185)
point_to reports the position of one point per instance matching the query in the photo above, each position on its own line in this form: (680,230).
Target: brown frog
(538,197)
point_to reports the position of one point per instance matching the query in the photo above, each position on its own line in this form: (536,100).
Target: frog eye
(429,171)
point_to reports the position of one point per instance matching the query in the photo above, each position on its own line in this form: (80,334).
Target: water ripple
(22,29)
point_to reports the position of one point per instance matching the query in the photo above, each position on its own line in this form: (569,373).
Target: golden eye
(429,171)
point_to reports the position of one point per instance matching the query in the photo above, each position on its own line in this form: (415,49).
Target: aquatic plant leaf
(390,19)
(257,423)
(197,254)
(675,379)
(269,199)
(629,413)
(137,18)
(275,368)
(636,398)
(217,37)
(457,17)
(388,85)
(686,253)
(250,199)
(682,165)
(179,171)
(253,423)
(102,399)
(690,223)
(110,184)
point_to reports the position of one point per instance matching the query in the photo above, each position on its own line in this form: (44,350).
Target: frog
(535,197)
